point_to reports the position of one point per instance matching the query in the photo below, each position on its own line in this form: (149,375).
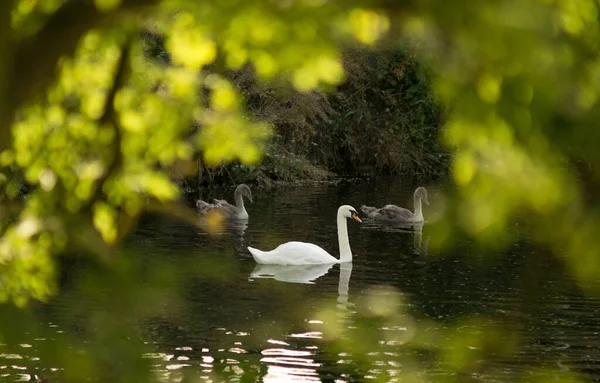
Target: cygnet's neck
(345,252)
(239,203)
(418,209)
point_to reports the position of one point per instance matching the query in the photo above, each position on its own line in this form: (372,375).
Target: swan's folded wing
(224,208)
(395,213)
(368,210)
(203,206)
(294,253)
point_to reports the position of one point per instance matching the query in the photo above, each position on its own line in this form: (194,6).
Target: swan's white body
(293,253)
(303,253)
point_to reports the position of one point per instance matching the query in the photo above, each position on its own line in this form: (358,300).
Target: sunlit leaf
(188,45)
(107,5)
(105,221)
(367,25)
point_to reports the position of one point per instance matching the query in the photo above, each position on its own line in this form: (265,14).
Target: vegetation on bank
(386,116)
(383,118)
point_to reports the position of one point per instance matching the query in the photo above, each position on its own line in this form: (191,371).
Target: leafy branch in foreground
(96,125)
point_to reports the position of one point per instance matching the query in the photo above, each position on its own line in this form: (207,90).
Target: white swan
(303,253)
(393,213)
(237,211)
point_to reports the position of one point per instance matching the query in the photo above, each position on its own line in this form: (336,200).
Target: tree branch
(6,8)
(35,59)
(110,117)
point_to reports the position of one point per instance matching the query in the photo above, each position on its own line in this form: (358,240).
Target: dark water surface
(401,312)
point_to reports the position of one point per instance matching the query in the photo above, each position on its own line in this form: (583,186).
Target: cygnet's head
(422,193)
(244,190)
(349,212)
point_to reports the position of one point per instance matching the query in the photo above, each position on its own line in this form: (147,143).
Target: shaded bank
(384,119)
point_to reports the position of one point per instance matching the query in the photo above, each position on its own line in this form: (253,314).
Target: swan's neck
(345,252)
(418,209)
(239,203)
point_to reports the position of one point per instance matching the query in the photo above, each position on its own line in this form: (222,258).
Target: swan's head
(348,212)
(421,193)
(244,190)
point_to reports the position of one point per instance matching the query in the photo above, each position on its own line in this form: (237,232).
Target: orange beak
(356,217)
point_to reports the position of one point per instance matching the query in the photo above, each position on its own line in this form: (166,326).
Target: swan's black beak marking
(355,216)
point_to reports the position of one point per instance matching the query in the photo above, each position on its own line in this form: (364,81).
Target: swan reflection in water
(293,358)
(291,273)
(238,229)
(419,246)
(306,274)
(220,226)
(344,283)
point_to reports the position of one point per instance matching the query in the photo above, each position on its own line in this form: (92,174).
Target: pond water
(401,311)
